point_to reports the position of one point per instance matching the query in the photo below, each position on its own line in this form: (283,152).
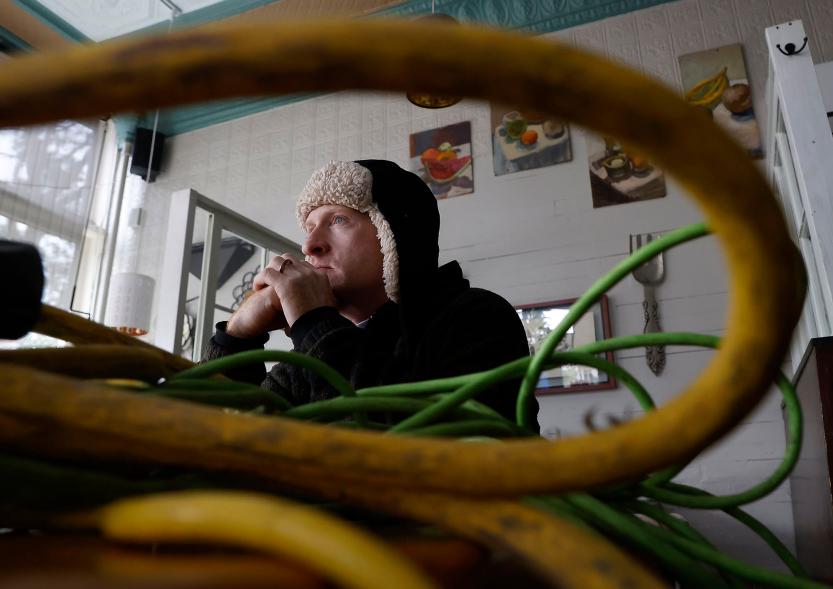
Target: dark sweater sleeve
(480,331)
(323,334)
(223,344)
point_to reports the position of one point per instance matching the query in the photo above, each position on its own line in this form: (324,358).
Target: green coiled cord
(682,551)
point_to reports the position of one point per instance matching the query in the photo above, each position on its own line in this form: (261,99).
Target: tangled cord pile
(444,407)
(521,495)
(674,543)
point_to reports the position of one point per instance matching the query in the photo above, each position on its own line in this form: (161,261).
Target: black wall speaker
(142,163)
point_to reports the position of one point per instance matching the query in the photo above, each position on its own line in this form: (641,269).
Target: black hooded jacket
(441,326)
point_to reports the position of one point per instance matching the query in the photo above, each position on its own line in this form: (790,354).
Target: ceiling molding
(21,27)
(174,121)
(53,20)
(11,43)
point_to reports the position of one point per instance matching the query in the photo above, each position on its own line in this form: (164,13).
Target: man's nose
(314,245)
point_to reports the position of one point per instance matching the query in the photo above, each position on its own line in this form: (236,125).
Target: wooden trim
(810,482)
(607,332)
(824,367)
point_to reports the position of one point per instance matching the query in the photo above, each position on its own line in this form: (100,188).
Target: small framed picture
(540,319)
(443,159)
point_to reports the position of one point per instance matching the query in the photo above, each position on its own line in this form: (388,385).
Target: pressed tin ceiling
(97,20)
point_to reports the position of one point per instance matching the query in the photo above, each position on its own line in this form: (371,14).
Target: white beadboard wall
(534,236)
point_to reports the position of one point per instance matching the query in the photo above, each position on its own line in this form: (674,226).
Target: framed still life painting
(620,176)
(443,159)
(717,84)
(540,319)
(523,140)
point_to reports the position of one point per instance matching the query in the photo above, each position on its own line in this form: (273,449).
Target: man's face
(342,242)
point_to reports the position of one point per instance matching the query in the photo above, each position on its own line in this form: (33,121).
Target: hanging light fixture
(433,100)
(129,299)
(129,304)
(130,294)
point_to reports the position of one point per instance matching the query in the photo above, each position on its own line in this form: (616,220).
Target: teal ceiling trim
(56,22)
(532,16)
(174,121)
(11,43)
(125,127)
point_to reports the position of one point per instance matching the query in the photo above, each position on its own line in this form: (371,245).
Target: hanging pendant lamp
(422,99)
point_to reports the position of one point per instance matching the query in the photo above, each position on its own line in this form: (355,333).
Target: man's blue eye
(338,219)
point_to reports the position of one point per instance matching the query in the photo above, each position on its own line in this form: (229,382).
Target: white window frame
(173,288)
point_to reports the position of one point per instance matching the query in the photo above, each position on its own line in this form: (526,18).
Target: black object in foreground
(20,299)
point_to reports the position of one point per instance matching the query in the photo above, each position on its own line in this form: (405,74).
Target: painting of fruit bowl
(442,158)
(526,140)
(715,82)
(619,175)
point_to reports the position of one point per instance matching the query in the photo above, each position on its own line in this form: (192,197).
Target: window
(46,186)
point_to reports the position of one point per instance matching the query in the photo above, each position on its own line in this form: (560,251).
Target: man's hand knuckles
(270,275)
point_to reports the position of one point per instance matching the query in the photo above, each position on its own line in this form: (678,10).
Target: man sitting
(370,299)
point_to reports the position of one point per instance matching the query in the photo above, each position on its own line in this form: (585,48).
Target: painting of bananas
(715,81)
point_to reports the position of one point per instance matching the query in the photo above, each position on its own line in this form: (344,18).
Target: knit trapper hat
(401,207)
